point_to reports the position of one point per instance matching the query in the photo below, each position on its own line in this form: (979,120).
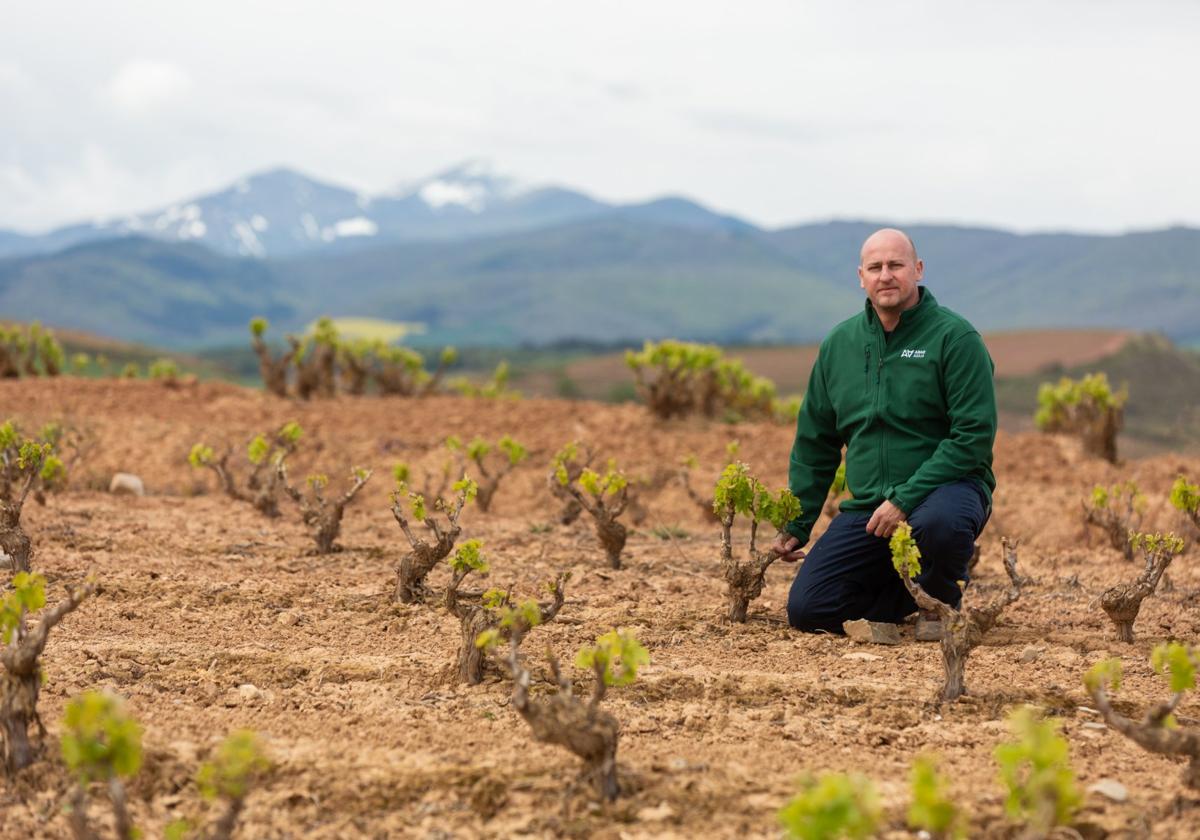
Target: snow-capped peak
(439,193)
(472,185)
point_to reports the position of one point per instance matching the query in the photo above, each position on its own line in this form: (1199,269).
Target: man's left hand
(885,519)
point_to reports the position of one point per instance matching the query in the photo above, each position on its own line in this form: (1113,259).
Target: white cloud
(140,85)
(1028,115)
(13,76)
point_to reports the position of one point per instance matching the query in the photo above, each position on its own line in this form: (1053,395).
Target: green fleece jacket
(915,410)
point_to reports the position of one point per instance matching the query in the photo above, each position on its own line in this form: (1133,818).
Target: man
(906,387)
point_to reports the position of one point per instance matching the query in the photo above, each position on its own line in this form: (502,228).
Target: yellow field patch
(374,329)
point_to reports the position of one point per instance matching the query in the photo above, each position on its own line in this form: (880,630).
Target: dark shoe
(929,626)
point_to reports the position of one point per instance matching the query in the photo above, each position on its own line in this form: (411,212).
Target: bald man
(906,387)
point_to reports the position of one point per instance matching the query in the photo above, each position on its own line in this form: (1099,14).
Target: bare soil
(214,618)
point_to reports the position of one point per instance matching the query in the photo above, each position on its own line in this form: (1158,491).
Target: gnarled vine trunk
(563,719)
(1123,602)
(963,629)
(21,680)
(14,542)
(744,577)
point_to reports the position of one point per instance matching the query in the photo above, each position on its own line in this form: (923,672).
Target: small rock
(1031,654)
(1067,657)
(872,632)
(288,618)
(1111,789)
(1091,724)
(249,692)
(661,811)
(862,656)
(126,484)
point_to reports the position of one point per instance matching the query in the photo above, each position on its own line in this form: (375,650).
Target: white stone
(1111,789)
(249,692)
(862,656)
(126,484)
(1031,654)
(661,811)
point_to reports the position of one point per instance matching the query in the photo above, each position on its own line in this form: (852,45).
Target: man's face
(889,272)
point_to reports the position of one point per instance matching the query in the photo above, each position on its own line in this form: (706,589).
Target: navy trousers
(849,573)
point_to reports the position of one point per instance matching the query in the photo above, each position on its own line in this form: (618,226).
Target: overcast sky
(1024,115)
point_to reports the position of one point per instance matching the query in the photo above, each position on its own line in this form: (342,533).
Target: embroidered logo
(912,354)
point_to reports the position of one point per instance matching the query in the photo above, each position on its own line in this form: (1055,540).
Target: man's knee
(944,538)
(811,614)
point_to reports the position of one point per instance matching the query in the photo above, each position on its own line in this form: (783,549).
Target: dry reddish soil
(1015,353)
(203,597)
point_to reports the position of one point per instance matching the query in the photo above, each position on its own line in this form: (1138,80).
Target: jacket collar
(926,303)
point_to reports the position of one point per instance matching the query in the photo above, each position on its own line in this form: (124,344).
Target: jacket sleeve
(816,453)
(971,409)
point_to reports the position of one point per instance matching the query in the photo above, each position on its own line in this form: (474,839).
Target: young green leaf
(617,655)
(1178,663)
(237,763)
(833,805)
(906,556)
(99,739)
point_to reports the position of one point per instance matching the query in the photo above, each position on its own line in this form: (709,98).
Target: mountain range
(282,213)
(479,258)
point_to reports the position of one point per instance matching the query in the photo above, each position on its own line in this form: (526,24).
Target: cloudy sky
(1025,115)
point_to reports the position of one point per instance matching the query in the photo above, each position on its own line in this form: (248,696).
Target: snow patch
(175,214)
(437,194)
(311,229)
(259,222)
(167,219)
(242,187)
(248,243)
(194,229)
(358,226)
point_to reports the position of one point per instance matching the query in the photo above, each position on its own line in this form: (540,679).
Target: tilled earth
(213,618)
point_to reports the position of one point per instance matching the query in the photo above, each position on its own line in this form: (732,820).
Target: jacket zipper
(883,459)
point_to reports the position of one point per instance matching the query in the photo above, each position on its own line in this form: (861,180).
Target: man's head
(889,271)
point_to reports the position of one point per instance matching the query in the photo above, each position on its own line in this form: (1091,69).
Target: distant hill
(1147,281)
(613,277)
(604,279)
(1163,411)
(142,290)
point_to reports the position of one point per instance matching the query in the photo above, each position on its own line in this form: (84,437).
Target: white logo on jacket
(912,354)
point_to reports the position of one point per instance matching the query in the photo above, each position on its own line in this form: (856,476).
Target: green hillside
(607,280)
(1163,411)
(141,290)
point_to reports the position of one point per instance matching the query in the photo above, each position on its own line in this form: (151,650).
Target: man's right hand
(788,548)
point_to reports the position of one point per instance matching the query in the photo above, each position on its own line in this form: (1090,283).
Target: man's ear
(862,284)
(920,266)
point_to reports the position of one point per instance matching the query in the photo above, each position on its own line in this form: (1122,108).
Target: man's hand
(885,519)
(788,548)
